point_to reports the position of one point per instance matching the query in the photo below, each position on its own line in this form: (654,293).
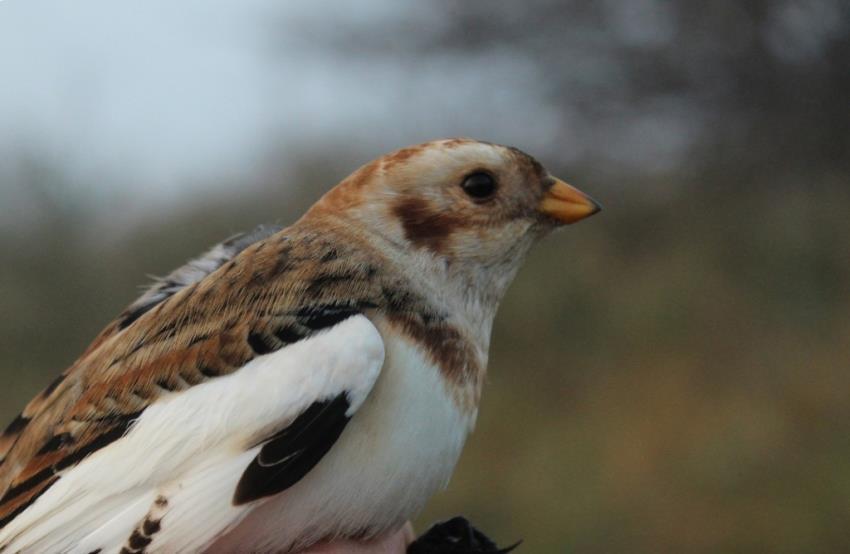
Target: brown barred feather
(195,326)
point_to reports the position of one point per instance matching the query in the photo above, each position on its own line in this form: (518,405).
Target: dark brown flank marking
(144,533)
(151,527)
(138,541)
(446,347)
(424,226)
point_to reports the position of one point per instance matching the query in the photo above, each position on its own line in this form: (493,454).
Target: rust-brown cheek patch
(424,226)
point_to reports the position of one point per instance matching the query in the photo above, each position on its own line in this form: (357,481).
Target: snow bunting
(292,386)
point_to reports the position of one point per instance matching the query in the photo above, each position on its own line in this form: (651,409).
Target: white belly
(399,448)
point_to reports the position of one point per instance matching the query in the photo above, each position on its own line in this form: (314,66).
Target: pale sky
(171,93)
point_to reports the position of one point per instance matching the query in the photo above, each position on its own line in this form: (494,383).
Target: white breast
(399,448)
(188,449)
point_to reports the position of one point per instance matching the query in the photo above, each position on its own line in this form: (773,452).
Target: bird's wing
(225,390)
(162,289)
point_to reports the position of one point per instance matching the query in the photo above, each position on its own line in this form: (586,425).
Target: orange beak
(567,204)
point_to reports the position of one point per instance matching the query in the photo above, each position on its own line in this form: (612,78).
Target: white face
(460,200)
(456,217)
(471,208)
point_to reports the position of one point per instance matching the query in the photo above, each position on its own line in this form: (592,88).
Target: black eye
(479,185)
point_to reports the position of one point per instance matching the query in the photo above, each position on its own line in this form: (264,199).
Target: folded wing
(220,394)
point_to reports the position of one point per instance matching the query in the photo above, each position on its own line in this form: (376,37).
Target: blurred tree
(737,90)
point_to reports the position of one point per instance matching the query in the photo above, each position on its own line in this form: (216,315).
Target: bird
(293,386)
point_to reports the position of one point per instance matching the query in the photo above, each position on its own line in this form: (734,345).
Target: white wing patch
(399,448)
(190,449)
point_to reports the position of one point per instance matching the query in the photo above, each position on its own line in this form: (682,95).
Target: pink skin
(390,544)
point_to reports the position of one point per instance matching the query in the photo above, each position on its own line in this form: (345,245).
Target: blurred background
(672,375)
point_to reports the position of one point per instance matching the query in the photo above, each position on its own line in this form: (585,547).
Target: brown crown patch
(455,142)
(400,156)
(349,192)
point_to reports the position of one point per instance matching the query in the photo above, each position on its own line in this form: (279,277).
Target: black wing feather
(292,452)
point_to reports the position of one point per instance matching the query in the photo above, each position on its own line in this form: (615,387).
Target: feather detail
(196,444)
(249,306)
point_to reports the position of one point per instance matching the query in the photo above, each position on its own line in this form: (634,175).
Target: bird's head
(467,208)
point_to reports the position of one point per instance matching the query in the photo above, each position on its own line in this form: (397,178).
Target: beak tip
(597,207)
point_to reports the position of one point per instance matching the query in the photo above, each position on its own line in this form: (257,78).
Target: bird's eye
(479,185)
